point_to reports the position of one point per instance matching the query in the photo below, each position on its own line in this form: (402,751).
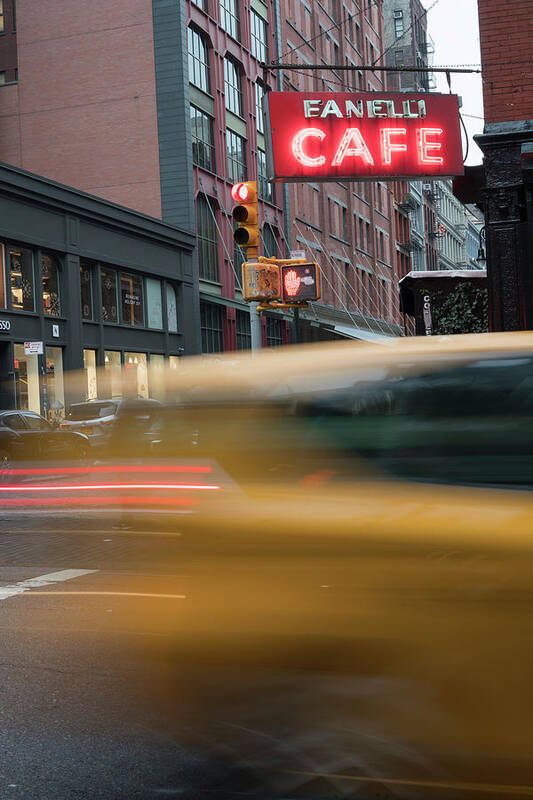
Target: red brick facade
(506,36)
(84,109)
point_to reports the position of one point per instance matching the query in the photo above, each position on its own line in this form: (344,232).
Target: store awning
(360,333)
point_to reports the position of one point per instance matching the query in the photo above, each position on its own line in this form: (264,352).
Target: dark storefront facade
(91,287)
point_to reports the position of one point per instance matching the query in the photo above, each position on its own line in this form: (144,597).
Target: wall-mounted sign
(33,348)
(5,324)
(379,135)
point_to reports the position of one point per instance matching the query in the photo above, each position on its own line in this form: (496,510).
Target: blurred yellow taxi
(363,581)
(361,568)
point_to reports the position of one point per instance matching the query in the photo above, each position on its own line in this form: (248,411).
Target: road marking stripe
(42,580)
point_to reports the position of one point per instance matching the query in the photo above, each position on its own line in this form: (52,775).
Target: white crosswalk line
(42,580)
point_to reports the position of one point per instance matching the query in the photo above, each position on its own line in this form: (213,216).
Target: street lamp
(481,256)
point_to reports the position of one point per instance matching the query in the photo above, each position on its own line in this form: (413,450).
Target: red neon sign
(326,136)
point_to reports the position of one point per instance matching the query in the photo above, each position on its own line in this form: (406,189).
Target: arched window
(50,274)
(233,86)
(206,237)
(198,59)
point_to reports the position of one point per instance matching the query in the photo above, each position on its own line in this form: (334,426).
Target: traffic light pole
(255,328)
(295,327)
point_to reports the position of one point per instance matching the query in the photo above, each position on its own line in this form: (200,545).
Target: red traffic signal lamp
(300,282)
(246,214)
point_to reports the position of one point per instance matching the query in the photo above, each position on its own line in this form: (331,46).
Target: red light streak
(98,500)
(114,469)
(84,487)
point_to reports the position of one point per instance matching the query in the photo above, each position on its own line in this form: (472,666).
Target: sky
(453,26)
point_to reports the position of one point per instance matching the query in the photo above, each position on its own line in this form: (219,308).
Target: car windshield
(83,411)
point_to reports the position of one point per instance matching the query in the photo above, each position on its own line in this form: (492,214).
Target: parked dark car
(26,436)
(96,418)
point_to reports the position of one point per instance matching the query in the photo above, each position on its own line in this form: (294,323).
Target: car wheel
(5,459)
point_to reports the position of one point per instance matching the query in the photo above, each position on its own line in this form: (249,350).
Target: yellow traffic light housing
(246,215)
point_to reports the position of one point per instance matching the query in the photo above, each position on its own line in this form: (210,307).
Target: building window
(358,36)
(154,305)
(172,309)
(384,299)
(274,332)
(203,145)
(136,374)
(266,190)
(259,95)
(2,77)
(21,279)
(211,328)
(206,239)
(236,156)
(270,243)
(398,58)
(86,275)
(229,17)
(233,87)
(131,299)
(258,29)
(244,332)
(200,4)
(198,60)
(347,287)
(113,372)
(109,295)
(50,277)
(398,24)
(89,367)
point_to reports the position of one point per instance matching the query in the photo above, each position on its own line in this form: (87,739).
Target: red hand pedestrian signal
(291,283)
(300,282)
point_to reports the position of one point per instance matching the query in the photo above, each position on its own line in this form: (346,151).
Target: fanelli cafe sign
(329,136)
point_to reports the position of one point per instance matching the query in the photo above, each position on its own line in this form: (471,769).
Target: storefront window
(21,278)
(131,298)
(55,393)
(109,295)
(26,370)
(172,310)
(89,365)
(50,276)
(157,376)
(136,374)
(173,362)
(113,373)
(153,303)
(86,291)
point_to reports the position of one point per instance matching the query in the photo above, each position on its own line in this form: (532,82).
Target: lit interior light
(352,144)
(424,146)
(297,147)
(388,147)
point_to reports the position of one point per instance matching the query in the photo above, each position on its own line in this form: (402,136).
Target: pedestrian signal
(300,282)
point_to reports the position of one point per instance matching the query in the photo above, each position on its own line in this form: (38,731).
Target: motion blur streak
(493,788)
(103,468)
(99,500)
(82,487)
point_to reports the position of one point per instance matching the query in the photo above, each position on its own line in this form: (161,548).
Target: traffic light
(245,214)
(300,282)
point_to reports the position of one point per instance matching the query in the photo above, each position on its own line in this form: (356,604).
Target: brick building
(346,227)
(506,33)
(155,105)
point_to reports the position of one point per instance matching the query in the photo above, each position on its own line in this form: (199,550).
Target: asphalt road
(85,711)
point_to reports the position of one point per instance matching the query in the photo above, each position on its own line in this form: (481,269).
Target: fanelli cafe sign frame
(323,136)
